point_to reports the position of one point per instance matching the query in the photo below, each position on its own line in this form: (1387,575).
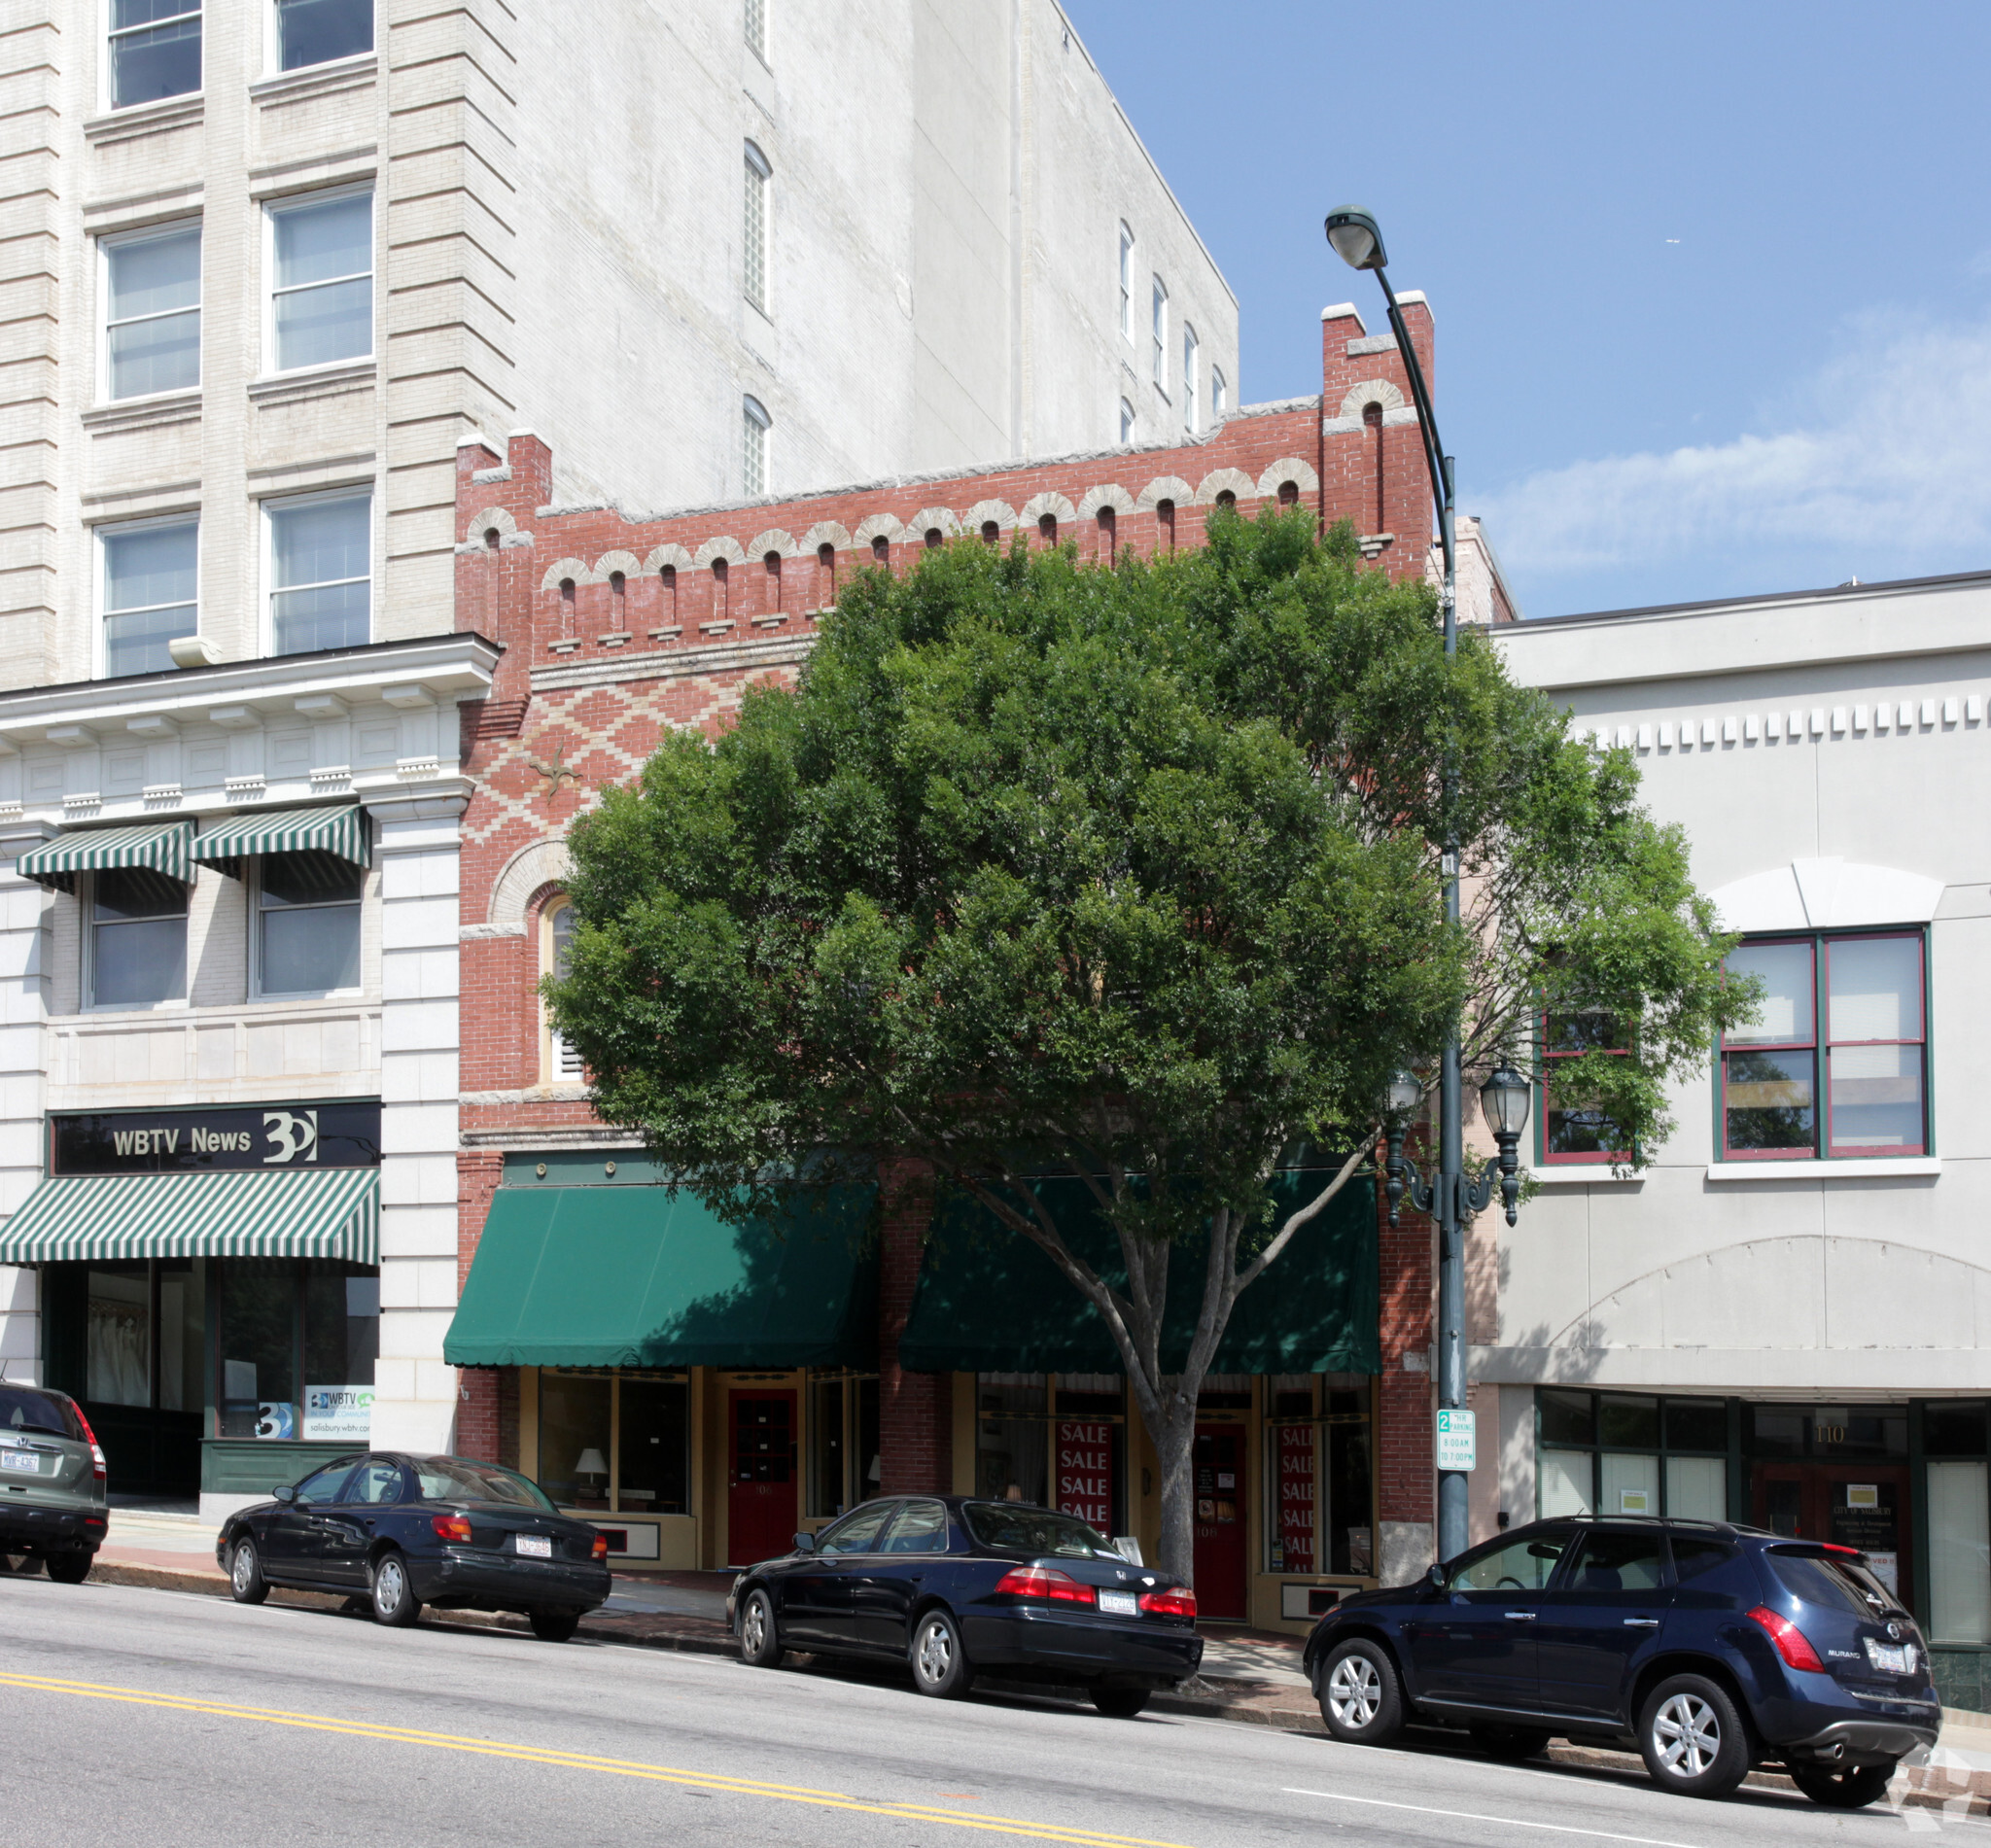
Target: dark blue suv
(1713,1648)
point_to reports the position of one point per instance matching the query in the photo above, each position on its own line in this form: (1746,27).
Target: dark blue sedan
(952,1587)
(406,1531)
(1711,1648)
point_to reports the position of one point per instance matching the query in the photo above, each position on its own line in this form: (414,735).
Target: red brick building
(615,627)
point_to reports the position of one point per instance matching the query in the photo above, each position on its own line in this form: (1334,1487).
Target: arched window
(1219,395)
(1126,421)
(556,958)
(935,538)
(1289,493)
(992,533)
(1190,350)
(753,230)
(880,550)
(566,605)
(754,424)
(1372,420)
(826,576)
(1227,498)
(618,603)
(1126,282)
(1047,527)
(668,583)
(721,591)
(1164,523)
(1159,363)
(771,563)
(1109,522)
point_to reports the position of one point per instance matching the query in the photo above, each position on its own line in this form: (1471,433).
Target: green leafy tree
(1126,875)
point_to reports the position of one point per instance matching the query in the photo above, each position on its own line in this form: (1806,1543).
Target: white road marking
(1508,1822)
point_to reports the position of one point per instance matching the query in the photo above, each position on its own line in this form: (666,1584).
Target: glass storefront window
(258,1334)
(1628,1424)
(1564,1482)
(653,1443)
(1567,1418)
(1959,1552)
(1698,1488)
(285,1327)
(1631,1484)
(576,1439)
(1012,1447)
(1320,1477)
(1953,1428)
(118,1367)
(1618,1453)
(828,1448)
(183,1335)
(614,1442)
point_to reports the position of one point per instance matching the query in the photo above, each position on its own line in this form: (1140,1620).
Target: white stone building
(268,264)
(1783,1319)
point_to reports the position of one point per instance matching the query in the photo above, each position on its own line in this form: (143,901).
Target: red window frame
(1830,1041)
(1584,1158)
(1806,1046)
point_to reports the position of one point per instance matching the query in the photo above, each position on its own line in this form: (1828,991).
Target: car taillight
(1793,1644)
(1176,1601)
(1044,1582)
(90,1436)
(600,1546)
(455,1528)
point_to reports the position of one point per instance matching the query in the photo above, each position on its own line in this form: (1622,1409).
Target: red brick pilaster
(915,1410)
(1405,1482)
(477,1409)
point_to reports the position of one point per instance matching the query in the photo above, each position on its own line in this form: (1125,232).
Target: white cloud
(1889,454)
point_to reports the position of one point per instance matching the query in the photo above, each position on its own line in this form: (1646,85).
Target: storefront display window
(1012,1453)
(1318,1475)
(652,1470)
(1631,1453)
(1954,1440)
(299,1342)
(615,1442)
(844,1467)
(575,1437)
(119,1336)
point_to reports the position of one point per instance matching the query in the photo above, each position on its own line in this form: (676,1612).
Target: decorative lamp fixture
(1356,238)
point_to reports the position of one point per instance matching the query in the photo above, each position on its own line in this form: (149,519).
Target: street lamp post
(1450,1196)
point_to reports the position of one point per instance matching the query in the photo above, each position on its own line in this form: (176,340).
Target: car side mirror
(1436,1578)
(805,1543)
(285,1491)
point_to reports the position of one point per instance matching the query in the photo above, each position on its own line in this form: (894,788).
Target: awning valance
(339,831)
(635,1277)
(331,1212)
(161,846)
(990,1302)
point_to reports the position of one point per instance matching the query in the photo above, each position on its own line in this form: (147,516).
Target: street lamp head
(1403,1095)
(1356,239)
(1504,1102)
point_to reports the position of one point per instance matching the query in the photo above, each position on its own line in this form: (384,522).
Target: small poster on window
(338,1414)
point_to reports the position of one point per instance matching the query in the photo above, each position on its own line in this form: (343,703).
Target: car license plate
(1119,1604)
(534,1547)
(1891,1658)
(20,1460)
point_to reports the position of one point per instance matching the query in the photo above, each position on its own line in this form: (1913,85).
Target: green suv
(52,1481)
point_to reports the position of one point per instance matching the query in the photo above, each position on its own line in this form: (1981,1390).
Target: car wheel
(1844,1790)
(554,1626)
(1691,1738)
(395,1603)
(940,1665)
(246,1583)
(760,1643)
(1361,1699)
(1510,1744)
(69,1568)
(1119,1703)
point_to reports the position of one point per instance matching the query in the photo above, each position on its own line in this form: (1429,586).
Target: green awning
(161,846)
(989,1302)
(327,1212)
(621,1275)
(340,831)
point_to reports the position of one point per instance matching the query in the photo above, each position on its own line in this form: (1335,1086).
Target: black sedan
(951,1586)
(406,1531)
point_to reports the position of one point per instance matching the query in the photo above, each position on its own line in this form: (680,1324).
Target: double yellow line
(581,1761)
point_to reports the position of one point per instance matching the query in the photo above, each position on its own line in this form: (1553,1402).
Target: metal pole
(1450,1185)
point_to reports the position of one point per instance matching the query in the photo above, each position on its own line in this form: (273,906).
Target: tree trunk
(1175,1456)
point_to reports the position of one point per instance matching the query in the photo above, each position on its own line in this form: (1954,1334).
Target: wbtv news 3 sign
(262,1135)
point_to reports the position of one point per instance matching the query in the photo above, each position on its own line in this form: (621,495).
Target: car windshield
(23,1409)
(1838,1584)
(449,1478)
(1012,1527)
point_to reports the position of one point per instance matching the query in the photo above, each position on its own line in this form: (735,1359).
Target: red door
(1863,1505)
(1218,1472)
(760,1493)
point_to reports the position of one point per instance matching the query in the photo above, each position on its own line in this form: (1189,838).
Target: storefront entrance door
(760,1492)
(1218,1470)
(1863,1505)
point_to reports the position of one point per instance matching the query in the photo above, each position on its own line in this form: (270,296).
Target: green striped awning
(330,1212)
(161,845)
(340,832)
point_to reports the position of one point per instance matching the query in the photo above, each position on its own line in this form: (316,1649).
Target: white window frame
(272,209)
(756,224)
(278,503)
(1192,353)
(1128,421)
(191,9)
(559,1063)
(272,61)
(1219,395)
(753,414)
(256,992)
(1126,282)
(118,240)
(753,25)
(85,904)
(1158,330)
(100,653)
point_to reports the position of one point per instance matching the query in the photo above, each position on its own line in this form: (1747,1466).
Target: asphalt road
(160,1718)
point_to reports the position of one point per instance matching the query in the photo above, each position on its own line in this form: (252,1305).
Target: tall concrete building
(268,266)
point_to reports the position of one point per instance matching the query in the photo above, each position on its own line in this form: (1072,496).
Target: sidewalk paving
(1251,1677)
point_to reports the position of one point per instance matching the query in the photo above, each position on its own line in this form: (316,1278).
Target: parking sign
(1457,1442)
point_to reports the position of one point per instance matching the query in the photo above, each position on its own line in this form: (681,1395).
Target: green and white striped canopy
(161,846)
(340,832)
(330,1212)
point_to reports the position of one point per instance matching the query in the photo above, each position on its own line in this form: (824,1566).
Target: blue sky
(1712,282)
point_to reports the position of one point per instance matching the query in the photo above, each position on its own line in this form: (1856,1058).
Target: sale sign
(1088,1459)
(1293,1544)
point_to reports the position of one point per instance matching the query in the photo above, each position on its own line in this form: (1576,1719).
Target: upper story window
(137,938)
(308,923)
(1219,395)
(152,312)
(1126,283)
(1842,1022)
(320,573)
(563,1062)
(754,424)
(1126,421)
(321,270)
(1189,385)
(1160,361)
(155,51)
(317,31)
(756,28)
(1574,1126)
(754,230)
(149,576)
